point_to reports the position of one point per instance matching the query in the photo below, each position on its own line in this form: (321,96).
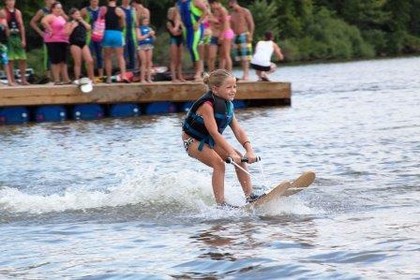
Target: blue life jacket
(144,30)
(194,126)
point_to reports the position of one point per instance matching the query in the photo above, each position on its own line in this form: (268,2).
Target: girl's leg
(11,65)
(142,57)
(243,178)
(87,57)
(173,65)
(76,53)
(212,57)
(149,57)
(63,65)
(9,75)
(180,54)
(121,62)
(258,72)
(210,158)
(227,43)
(22,68)
(64,72)
(108,63)
(55,71)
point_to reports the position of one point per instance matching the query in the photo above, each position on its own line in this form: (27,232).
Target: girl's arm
(278,52)
(138,34)
(21,27)
(85,24)
(46,23)
(225,16)
(34,22)
(152,33)
(5,26)
(200,4)
(69,27)
(83,13)
(172,30)
(121,14)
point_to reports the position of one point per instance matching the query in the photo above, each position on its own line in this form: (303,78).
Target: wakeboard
(284,189)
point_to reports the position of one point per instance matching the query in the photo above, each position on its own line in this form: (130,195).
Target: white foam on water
(146,188)
(186,191)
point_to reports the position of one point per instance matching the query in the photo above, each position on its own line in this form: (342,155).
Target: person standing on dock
(193,13)
(176,44)
(261,60)
(34,23)
(226,35)
(130,34)
(90,14)
(77,29)
(113,41)
(57,42)
(243,25)
(146,37)
(202,135)
(16,42)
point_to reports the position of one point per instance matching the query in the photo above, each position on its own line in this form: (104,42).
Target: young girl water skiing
(203,139)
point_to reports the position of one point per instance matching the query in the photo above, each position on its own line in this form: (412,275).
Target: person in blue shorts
(113,41)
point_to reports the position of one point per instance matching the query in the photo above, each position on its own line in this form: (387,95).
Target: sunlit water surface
(116,199)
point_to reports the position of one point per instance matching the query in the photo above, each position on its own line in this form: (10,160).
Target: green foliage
(264,15)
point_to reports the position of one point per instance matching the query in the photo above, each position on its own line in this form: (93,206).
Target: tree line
(306,30)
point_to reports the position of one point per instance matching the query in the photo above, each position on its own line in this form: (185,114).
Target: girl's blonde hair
(172,13)
(216,77)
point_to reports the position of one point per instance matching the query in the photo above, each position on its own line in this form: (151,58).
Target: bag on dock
(99,27)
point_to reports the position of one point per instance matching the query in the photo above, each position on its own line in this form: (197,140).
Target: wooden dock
(68,96)
(277,92)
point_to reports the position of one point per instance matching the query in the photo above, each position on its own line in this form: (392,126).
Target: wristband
(247,141)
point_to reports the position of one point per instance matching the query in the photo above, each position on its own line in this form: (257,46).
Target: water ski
(284,189)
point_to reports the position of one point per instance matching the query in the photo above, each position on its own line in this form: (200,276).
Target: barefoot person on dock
(16,42)
(4,59)
(202,134)
(113,41)
(57,42)
(242,23)
(90,14)
(193,13)
(176,44)
(77,30)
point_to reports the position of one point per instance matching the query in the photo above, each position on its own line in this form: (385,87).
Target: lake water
(119,199)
